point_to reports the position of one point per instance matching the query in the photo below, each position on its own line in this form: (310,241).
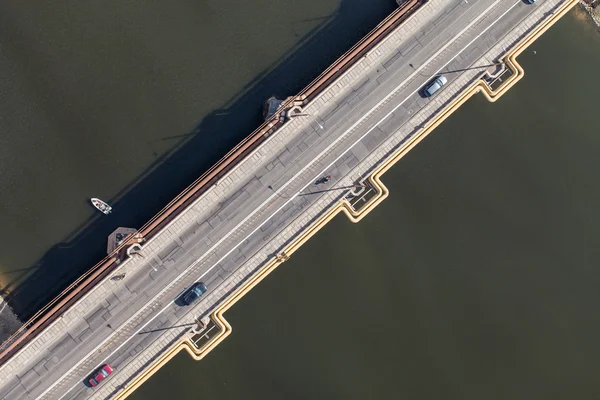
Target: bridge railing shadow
(191,154)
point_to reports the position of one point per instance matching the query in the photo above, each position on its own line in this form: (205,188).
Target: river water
(476,279)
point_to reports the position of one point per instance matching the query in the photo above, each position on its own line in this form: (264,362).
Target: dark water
(130,101)
(476,279)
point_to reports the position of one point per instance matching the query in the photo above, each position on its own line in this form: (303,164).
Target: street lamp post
(355,186)
(307,115)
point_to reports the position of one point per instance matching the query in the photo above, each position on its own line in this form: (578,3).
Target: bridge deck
(269,198)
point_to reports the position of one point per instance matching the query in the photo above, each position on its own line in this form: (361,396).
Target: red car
(102,373)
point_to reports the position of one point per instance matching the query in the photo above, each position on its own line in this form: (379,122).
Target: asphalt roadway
(268,193)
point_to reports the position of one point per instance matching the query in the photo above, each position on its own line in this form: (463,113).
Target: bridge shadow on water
(196,152)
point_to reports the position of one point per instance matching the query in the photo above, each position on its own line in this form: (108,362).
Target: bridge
(248,214)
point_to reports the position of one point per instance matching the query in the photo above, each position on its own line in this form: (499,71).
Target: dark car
(193,293)
(100,375)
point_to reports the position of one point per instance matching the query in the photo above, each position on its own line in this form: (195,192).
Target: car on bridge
(193,293)
(100,375)
(434,85)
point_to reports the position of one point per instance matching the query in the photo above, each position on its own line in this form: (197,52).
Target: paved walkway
(266,201)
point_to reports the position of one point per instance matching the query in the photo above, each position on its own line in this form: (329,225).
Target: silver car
(436,84)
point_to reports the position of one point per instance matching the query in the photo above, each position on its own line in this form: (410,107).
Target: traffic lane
(469,59)
(171,319)
(464,52)
(100,332)
(89,361)
(416,50)
(128,348)
(129,352)
(167,321)
(424,65)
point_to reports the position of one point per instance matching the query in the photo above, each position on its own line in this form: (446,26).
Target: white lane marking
(276,193)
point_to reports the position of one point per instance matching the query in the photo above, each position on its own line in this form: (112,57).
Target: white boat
(101,206)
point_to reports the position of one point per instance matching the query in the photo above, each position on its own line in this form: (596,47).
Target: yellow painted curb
(345,207)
